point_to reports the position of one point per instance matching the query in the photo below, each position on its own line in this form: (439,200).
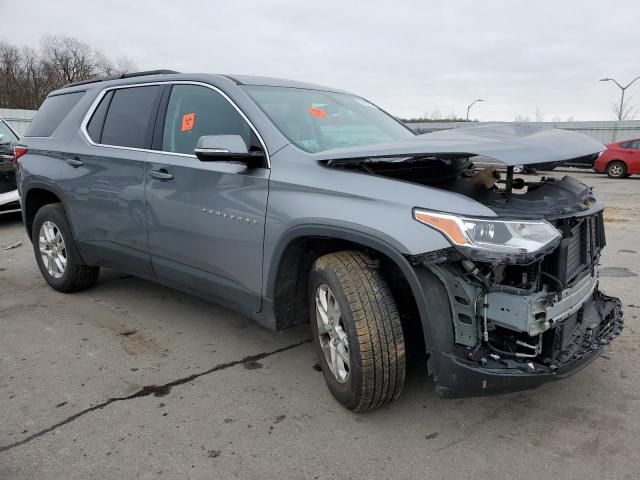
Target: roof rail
(124,75)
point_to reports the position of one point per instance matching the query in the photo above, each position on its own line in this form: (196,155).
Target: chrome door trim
(96,102)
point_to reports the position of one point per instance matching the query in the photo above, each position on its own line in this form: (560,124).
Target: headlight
(492,240)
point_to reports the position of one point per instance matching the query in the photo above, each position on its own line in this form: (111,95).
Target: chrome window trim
(98,99)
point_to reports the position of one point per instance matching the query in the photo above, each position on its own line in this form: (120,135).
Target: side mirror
(211,148)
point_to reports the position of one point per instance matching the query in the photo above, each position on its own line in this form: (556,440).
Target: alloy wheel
(52,249)
(332,334)
(616,170)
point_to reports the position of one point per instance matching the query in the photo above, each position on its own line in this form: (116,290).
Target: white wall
(18,119)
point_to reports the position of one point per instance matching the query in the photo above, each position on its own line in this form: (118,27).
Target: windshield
(6,135)
(317,120)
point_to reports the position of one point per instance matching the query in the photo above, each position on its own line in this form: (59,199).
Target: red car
(620,159)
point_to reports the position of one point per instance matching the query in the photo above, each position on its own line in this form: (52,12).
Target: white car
(9,198)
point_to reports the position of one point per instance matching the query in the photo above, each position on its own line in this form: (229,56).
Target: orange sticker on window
(188,119)
(317,112)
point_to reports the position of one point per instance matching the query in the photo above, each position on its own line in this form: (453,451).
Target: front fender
(428,291)
(338,231)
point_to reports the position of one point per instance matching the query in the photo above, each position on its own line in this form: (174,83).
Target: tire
(616,169)
(369,319)
(75,275)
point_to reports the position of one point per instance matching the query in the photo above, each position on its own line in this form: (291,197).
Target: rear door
(205,219)
(103,179)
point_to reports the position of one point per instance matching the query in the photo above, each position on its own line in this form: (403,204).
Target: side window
(634,144)
(51,113)
(95,125)
(194,111)
(130,117)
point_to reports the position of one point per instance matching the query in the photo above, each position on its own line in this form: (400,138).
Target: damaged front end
(523,293)
(515,301)
(514,327)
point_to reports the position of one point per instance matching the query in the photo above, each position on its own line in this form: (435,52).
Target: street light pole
(623,90)
(472,104)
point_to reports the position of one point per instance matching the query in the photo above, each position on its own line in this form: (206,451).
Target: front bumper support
(598,321)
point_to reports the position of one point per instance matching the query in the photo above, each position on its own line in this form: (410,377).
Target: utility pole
(623,89)
(473,103)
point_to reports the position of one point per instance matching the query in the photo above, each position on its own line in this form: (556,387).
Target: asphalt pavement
(133,380)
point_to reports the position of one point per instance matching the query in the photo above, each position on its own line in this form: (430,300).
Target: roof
(278,82)
(170,75)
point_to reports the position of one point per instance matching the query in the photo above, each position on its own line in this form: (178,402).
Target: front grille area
(582,240)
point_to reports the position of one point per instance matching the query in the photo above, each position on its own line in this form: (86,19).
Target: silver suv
(295,203)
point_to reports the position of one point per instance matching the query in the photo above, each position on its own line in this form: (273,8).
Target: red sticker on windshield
(317,112)
(188,119)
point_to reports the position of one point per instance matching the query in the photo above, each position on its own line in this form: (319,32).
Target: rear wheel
(617,169)
(56,252)
(356,331)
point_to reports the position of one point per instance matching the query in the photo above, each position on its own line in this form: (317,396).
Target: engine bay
(498,190)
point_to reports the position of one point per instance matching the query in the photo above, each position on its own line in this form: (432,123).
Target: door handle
(161,174)
(74,162)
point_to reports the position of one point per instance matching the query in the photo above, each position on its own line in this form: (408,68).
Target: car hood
(513,144)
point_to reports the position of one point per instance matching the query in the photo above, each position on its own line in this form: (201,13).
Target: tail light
(19,151)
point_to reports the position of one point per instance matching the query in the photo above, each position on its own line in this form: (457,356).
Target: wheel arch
(287,277)
(36,197)
(609,162)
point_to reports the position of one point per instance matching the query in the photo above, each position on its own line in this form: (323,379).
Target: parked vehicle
(620,159)
(585,161)
(9,199)
(295,203)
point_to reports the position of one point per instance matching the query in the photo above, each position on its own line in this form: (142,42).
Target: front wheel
(356,330)
(617,169)
(56,252)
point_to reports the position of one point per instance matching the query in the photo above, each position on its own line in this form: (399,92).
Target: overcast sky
(408,57)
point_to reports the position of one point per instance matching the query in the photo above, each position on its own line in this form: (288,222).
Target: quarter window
(96,124)
(51,113)
(130,117)
(194,111)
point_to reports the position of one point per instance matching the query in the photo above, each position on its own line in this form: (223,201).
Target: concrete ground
(133,380)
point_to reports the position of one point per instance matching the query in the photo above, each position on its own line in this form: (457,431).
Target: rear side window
(130,117)
(96,124)
(52,111)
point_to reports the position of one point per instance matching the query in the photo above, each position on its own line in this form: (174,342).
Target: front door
(205,219)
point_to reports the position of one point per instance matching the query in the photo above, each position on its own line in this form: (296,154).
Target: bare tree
(68,58)
(539,115)
(27,74)
(628,112)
